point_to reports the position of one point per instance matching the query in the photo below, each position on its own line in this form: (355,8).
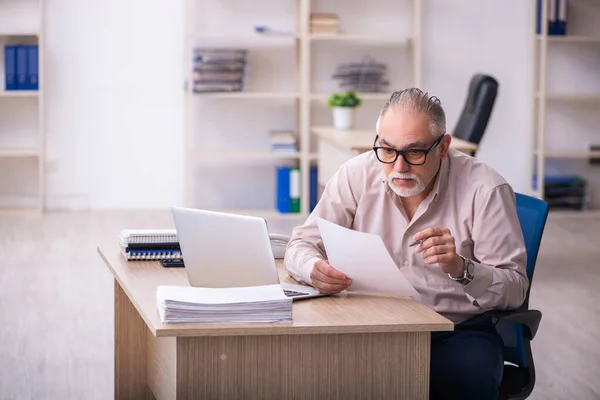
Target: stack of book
(185,304)
(283,142)
(364,76)
(324,23)
(149,244)
(219,70)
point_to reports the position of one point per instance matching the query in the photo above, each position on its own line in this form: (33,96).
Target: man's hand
(438,247)
(327,279)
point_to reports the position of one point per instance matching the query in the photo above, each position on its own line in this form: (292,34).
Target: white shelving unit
(21,114)
(565,81)
(299,96)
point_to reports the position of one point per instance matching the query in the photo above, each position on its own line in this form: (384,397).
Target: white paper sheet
(364,258)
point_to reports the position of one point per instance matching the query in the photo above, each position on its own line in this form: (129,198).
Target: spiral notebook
(149,244)
(148,236)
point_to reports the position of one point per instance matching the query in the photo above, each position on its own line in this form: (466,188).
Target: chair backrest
(476,112)
(533,214)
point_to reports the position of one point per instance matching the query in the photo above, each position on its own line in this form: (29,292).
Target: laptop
(229,250)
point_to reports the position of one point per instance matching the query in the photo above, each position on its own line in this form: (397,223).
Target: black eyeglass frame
(403,152)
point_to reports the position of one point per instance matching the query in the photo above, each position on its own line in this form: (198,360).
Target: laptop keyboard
(293,293)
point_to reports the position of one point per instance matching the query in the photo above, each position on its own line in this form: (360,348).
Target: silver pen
(416,242)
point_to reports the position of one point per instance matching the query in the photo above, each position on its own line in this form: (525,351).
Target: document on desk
(364,258)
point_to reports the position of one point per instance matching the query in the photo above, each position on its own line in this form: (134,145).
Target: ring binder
(141,255)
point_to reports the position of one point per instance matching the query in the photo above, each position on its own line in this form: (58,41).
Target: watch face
(470,268)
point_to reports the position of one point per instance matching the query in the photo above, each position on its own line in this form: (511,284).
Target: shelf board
(571,39)
(350,37)
(19,93)
(574,154)
(575,97)
(244,155)
(23,33)
(245,36)
(274,214)
(249,156)
(362,95)
(248,40)
(20,211)
(247,95)
(15,153)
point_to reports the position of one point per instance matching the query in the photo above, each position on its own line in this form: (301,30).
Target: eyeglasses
(388,155)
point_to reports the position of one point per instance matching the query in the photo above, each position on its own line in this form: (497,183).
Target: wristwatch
(468,272)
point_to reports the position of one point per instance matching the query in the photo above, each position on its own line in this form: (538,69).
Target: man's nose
(401,165)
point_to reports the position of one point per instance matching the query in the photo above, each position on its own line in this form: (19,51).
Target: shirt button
(406,263)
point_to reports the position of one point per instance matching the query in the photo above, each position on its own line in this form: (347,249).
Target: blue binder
(314,187)
(557,17)
(10,67)
(561,17)
(22,68)
(283,200)
(32,68)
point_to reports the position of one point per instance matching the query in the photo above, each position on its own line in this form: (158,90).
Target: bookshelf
(565,99)
(21,112)
(228,163)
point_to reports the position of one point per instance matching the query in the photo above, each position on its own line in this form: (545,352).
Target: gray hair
(416,101)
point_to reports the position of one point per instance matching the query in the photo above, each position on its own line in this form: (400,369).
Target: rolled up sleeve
(337,204)
(500,277)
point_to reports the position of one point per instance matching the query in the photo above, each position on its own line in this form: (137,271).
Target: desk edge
(285,329)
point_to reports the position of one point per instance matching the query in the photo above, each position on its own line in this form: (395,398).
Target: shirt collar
(441,179)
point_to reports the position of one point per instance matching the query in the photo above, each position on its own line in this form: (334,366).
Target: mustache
(403,175)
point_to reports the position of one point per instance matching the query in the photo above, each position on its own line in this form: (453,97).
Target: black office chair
(476,112)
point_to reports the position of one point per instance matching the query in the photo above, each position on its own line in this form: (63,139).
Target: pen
(416,242)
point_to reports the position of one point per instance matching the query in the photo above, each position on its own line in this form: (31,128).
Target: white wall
(465,37)
(115,103)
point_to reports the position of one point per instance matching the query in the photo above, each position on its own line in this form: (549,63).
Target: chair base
(515,383)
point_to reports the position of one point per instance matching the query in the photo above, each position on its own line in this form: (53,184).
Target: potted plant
(343,105)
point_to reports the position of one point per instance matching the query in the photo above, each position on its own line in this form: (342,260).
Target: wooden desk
(353,345)
(336,147)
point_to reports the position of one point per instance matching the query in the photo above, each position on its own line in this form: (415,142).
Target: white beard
(406,192)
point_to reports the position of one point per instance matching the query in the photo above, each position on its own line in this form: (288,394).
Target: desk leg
(332,366)
(130,349)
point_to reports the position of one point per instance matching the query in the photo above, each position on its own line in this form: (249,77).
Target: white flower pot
(343,118)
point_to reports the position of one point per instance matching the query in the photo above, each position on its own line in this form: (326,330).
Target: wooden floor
(56,305)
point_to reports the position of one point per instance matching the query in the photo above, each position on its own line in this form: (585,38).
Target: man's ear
(445,146)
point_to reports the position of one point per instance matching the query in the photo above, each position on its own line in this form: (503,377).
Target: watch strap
(466,277)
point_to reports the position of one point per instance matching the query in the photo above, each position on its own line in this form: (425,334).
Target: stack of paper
(185,304)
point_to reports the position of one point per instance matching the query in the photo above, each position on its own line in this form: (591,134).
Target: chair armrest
(530,319)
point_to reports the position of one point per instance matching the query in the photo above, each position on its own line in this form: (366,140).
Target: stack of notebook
(185,304)
(367,75)
(150,244)
(219,70)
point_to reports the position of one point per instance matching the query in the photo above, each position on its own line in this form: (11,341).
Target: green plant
(344,99)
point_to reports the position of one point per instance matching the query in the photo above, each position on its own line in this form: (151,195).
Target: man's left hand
(438,247)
